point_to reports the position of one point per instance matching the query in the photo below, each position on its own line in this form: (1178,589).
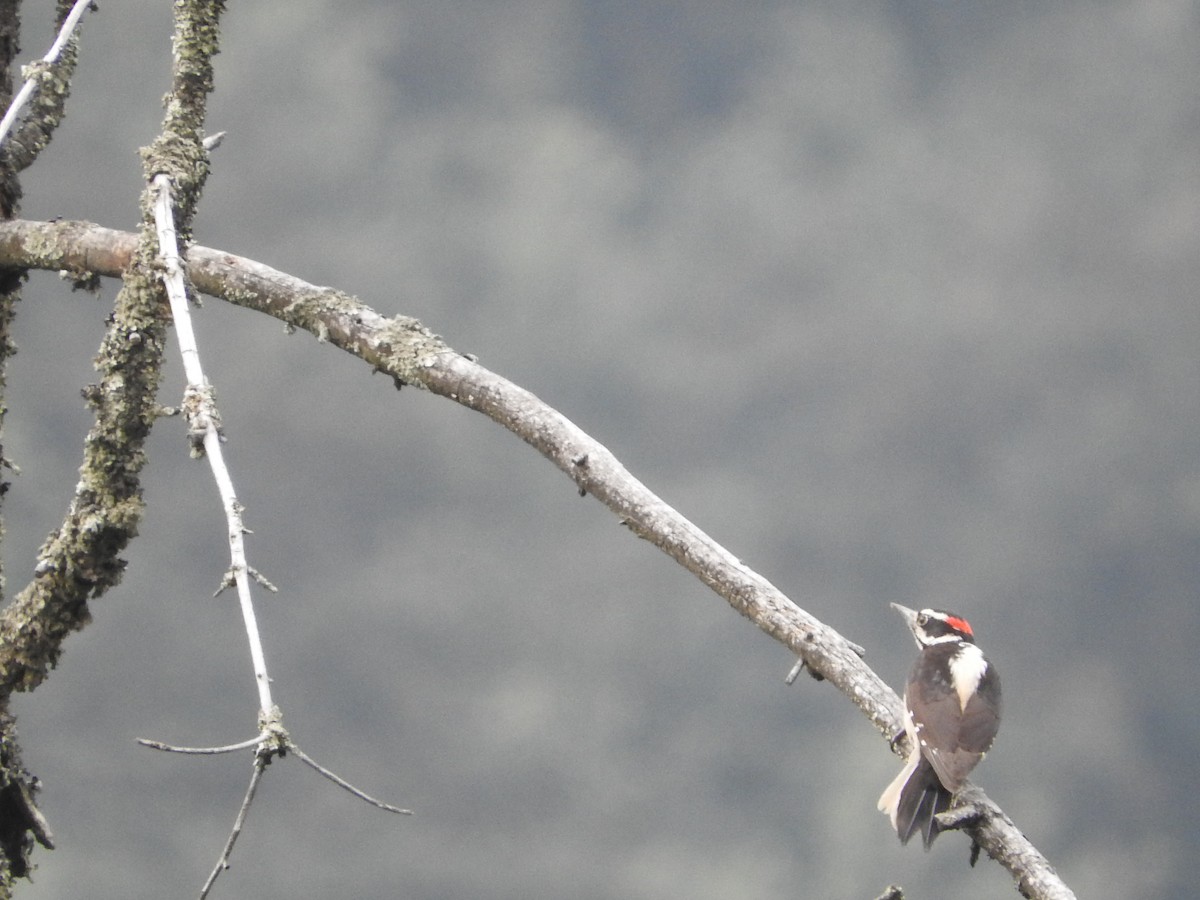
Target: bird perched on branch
(951,715)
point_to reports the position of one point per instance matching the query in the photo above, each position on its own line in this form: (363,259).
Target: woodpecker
(951,714)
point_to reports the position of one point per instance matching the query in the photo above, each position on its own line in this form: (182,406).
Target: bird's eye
(922,619)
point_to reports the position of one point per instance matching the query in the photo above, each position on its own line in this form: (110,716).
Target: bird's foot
(961,815)
(964,814)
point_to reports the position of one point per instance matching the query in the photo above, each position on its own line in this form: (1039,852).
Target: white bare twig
(260,763)
(34,71)
(343,783)
(204,431)
(202,751)
(271,742)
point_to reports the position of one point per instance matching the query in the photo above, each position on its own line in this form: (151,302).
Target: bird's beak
(910,619)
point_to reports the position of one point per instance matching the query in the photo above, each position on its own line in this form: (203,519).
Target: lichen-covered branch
(178,152)
(10,192)
(81,558)
(10,46)
(50,85)
(19,817)
(403,348)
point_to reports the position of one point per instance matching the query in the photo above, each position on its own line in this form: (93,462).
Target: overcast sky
(895,300)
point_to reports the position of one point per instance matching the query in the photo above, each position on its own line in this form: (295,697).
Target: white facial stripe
(928,641)
(966,671)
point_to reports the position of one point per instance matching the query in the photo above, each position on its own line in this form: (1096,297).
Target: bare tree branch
(204,431)
(413,355)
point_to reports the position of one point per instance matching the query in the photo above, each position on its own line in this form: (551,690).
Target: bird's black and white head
(935,626)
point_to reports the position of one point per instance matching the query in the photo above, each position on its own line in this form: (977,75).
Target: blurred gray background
(896,300)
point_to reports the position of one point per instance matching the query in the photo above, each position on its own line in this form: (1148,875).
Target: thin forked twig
(260,762)
(277,744)
(273,741)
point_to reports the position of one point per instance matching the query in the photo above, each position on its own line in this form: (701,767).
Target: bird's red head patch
(960,624)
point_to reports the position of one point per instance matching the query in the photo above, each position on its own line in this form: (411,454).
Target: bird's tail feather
(921,799)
